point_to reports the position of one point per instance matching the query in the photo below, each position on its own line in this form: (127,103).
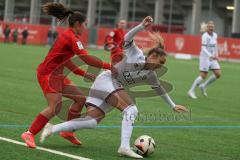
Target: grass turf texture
(21,99)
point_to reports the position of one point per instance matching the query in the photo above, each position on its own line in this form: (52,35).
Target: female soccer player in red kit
(50,71)
(114,42)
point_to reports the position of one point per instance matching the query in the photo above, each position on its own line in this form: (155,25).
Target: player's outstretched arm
(169,101)
(145,23)
(162,92)
(78,71)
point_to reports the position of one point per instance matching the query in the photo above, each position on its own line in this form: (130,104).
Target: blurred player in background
(50,74)
(208,60)
(15,35)
(114,42)
(25,35)
(108,90)
(6,33)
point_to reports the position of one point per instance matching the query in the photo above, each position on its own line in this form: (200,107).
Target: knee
(204,76)
(91,123)
(53,110)
(49,112)
(218,75)
(80,100)
(131,112)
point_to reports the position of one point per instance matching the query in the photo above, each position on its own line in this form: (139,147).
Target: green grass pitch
(21,99)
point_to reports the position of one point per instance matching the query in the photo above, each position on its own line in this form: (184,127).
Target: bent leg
(74,93)
(93,117)
(216,74)
(124,103)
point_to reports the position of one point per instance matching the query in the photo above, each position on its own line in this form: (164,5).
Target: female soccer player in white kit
(208,60)
(108,90)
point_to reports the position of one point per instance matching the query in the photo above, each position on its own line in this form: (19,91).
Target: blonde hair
(157,39)
(158,44)
(203,27)
(210,22)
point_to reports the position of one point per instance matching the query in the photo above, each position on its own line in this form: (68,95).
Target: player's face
(122,24)
(81,27)
(210,28)
(155,61)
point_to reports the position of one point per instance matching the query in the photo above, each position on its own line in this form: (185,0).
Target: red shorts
(52,84)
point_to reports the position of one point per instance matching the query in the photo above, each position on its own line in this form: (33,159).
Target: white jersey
(130,71)
(131,68)
(209,45)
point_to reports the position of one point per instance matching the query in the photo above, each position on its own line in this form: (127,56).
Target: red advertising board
(180,43)
(37,33)
(174,43)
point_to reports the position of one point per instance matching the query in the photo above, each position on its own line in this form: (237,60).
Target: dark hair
(158,50)
(62,12)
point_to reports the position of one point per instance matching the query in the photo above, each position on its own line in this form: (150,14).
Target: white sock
(211,79)
(75,124)
(129,115)
(196,83)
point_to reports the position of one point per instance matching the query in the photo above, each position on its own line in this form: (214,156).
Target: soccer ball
(145,145)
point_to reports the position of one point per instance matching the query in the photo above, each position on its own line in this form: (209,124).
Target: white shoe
(47,131)
(203,90)
(128,153)
(192,94)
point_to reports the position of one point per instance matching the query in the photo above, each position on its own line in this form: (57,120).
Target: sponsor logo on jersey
(79,44)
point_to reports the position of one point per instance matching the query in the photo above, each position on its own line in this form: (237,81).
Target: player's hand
(215,58)
(111,46)
(179,109)
(147,21)
(90,76)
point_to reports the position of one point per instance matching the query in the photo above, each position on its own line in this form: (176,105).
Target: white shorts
(103,86)
(205,64)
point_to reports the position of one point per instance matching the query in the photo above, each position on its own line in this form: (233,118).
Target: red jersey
(116,37)
(65,47)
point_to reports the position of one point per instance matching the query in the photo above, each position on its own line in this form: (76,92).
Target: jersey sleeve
(74,68)
(128,38)
(204,40)
(216,48)
(77,47)
(129,45)
(79,50)
(155,85)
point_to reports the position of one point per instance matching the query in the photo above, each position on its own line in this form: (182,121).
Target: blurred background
(177,20)
(174,15)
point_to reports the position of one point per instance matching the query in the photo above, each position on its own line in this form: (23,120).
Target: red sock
(72,114)
(39,122)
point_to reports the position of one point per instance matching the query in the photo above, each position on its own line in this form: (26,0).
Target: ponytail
(57,10)
(157,39)
(203,27)
(158,47)
(62,12)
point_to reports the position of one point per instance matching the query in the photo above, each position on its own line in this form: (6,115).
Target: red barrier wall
(174,43)
(179,43)
(37,33)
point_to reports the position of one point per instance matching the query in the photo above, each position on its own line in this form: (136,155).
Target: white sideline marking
(45,149)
